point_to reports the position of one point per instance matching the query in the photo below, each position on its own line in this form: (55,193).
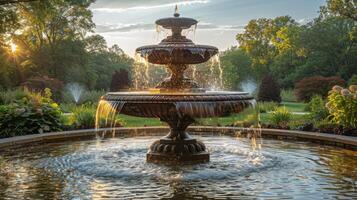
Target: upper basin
(176,22)
(176,53)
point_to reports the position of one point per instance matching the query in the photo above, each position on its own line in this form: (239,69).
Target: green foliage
(345,8)
(9,96)
(288,95)
(269,90)
(236,68)
(83,117)
(265,107)
(91,96)
(342,106)
(353,80)
(281,117)
(315,85)
(31,115)
(317,108)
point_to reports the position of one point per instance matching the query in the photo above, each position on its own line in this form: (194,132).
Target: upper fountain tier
(176,49)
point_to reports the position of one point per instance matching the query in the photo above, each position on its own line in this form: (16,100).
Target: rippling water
(116,168)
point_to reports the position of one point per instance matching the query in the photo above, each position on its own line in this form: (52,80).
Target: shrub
(91,97)
(342,106)
(31,115)
(288,95)
(353,80)
(84,117)
(9,96)
(265,107)
(269,90)
(40,83)
(315,85)
(120,80)
(280,117)
(317,108)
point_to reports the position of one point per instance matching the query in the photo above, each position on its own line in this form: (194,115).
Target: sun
(13,47)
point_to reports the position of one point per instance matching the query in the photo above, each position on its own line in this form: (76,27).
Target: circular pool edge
(347,142)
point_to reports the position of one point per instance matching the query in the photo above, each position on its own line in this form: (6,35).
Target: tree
(236,68)
(345,8)
(120,81)
(331,49)
(269,89)
(259,41)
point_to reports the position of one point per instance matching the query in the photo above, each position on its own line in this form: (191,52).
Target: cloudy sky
(130,23)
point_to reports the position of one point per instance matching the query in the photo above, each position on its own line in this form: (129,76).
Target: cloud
(122,6)
(110,28)
(106,28)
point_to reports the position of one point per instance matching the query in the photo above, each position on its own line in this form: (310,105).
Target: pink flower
(337,88)
(345,92)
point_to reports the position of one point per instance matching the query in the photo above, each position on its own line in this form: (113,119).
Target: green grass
(130,121)
(294,106)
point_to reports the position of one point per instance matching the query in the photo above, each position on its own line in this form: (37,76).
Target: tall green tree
(259,41)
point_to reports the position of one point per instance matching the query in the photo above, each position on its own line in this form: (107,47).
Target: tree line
(290,51)
(55,39)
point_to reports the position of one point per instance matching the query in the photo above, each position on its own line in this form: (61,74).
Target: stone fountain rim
(177,46)
(207,93)
(347,142)
(242,97)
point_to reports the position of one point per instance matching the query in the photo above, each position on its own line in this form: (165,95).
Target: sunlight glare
(13,47)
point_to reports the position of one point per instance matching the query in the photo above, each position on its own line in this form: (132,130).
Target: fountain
(76,91)
(178,100)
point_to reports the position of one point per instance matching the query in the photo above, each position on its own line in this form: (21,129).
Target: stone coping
(347,142)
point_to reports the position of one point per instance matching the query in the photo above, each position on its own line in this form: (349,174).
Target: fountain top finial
(176,14)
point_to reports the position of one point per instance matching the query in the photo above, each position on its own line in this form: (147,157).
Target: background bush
(265,107)
(315,85)
(31,115)
(288,95)
(281,117)
(317,108)
(9,96)
(269,90)
(342,106)
(40,83)
(353,80)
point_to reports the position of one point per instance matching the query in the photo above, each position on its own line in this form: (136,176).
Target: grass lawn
(294,106)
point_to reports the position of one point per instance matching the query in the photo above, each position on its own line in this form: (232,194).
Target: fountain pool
(115,168)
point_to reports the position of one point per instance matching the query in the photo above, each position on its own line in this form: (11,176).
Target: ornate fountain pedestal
(178,147)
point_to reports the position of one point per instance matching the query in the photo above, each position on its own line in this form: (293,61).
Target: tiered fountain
(178,100)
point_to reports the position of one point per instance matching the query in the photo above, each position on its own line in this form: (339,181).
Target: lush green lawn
(294,106)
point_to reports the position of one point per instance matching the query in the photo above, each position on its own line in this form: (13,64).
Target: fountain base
(175,151)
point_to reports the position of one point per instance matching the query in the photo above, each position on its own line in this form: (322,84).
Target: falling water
(215,67)
(190,30)
(76,91)
(194,70)
(255,134)
(106,113)
(141,72)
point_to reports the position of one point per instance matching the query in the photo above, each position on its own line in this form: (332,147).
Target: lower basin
(115,168)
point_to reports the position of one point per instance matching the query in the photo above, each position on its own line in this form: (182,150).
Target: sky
(131,23)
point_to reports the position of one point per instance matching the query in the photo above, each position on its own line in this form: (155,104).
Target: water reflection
(117,169)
